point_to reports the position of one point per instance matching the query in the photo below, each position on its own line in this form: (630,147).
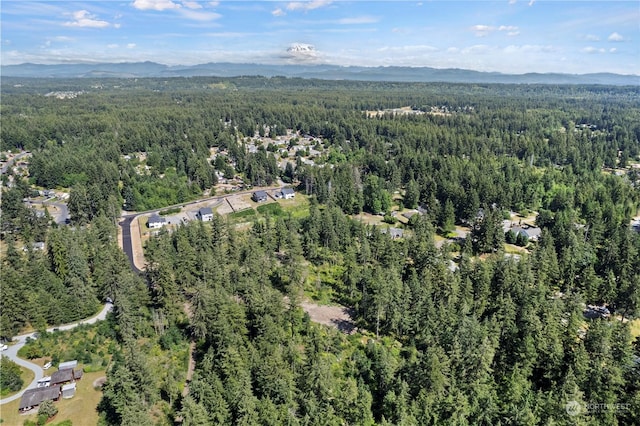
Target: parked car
(47,366)
(3,347)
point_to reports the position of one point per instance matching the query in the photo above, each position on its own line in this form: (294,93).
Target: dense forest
(496,340)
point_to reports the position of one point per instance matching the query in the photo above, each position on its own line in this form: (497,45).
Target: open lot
(241,202)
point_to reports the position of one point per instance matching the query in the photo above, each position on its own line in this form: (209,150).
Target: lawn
(242,214)
(272,209)
(81,409)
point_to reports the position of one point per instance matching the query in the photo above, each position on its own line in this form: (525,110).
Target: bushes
(10,376)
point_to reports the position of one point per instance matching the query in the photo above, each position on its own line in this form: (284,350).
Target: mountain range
(325,72)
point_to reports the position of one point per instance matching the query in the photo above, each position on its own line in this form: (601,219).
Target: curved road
(12,352)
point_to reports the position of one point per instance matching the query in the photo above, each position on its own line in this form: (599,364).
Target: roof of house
(260,194)
(62,376)
(157,219)
(205,211)
(77,374)
(35,396)
(68,364)
(286,191)
(68,386)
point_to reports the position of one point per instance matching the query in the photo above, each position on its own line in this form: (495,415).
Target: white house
(156,222)
(205,214)
(288,193)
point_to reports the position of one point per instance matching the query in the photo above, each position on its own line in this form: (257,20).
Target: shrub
(46,411)
(10,376)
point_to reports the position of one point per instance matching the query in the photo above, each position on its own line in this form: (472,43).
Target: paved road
(127,245)
(13,160)
(63,211)
(12,352)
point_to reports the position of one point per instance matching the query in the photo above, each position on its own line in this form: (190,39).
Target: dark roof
(157,219)
(286,191)
(33,397)
(62,376)
(205,211)
(77,374)
(259,195)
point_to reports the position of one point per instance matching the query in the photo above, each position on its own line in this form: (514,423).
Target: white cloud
(477,49)
(591,37)
(513,1)
(482,30)
(591,49)
(358,20)
(83,18)
(278,12)
(615,37)
(191,4)
(112,46)
(155,5)
(198,15)
(613,50)
(532,2)
(117,25)
(485,30)
(214,3)
(131,45)
(308,5)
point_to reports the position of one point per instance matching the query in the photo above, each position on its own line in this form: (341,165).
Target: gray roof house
(205,214)
(288,193)
(259,196)
(532,233)
(34,397)
(156,222)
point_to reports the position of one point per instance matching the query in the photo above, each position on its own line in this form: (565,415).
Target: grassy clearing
(81,409)
(514,249)
(634,328)
(272,209)
(242,215)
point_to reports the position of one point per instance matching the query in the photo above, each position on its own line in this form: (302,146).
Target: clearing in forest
(338,317)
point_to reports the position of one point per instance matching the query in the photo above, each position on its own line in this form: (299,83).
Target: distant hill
(326,72)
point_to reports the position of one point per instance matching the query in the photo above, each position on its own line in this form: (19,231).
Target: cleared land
(338,317)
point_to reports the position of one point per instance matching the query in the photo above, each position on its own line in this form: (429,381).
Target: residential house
(156,222)
(36,396)
(531,233)
(286,193)
(205,214)
(259,196)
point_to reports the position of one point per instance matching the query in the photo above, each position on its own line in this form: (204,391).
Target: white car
(46,366)
(4,347)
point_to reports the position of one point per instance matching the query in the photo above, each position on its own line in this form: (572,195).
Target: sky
(509,36)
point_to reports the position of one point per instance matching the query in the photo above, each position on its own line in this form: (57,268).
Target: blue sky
(512,36)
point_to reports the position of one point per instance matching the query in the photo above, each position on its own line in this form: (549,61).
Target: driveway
(12,352)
